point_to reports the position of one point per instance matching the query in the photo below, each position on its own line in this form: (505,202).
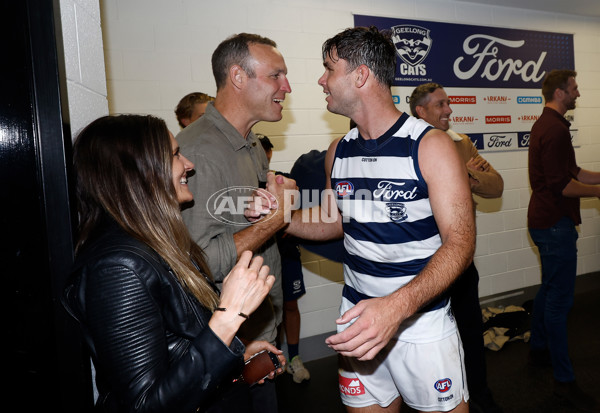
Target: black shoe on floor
(539,358)
(572,393)
(483,402)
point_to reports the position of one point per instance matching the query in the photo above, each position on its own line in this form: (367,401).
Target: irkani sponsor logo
(528,118)
(484,51)
(463,119)
(496,99)
(462,100)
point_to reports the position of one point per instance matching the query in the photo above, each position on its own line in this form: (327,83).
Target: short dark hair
(264,141)
(234,51)
(556,79)
(365,46)
(185,107)
(420,96)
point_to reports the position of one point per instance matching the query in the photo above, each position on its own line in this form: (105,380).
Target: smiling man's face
(437,110)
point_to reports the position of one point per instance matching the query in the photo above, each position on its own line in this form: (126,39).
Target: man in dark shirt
(557,183)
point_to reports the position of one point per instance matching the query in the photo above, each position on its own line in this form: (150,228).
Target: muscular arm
(452,206)
(323,222)
(453,211)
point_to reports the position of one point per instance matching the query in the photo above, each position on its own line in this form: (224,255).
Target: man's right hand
(262,203)
(285,191)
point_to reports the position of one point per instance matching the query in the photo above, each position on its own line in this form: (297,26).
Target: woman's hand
(247,285)
(244,288)
(257,346)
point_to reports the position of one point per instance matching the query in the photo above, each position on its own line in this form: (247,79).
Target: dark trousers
(264,397)
(464,295)
(558,252)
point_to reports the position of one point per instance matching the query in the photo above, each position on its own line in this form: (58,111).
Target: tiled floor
(517,387)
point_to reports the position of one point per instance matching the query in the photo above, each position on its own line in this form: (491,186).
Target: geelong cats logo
(396,211)
(412,43)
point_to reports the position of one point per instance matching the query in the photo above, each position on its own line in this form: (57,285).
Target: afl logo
(344,188)
(443,385)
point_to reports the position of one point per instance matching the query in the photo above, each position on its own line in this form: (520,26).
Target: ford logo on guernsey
(443,385)
(344,188)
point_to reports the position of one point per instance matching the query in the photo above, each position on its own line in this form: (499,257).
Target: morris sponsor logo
(443,385)
(462,100)
(482,59)
(497,119)
(529,99)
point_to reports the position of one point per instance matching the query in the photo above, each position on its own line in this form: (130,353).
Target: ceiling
(589,8)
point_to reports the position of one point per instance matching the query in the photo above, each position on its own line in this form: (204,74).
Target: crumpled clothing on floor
(501,325)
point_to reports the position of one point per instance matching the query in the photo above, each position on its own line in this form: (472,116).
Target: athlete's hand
(377,320)
(261,204)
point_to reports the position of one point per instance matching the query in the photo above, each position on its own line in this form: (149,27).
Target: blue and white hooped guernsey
(389,229)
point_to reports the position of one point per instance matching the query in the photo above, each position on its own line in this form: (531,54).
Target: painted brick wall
(84,61)
(157,51)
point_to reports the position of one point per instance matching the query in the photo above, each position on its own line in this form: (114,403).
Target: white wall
(159,50)
(84,61)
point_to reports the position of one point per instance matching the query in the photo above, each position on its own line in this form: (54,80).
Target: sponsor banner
(479,111)
(492,75)
(463,55)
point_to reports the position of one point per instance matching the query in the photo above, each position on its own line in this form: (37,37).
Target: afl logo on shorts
(344,188)
(443,385)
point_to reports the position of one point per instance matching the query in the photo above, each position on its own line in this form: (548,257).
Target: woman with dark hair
(161,336)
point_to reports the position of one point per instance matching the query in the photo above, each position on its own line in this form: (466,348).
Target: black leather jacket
(149,339)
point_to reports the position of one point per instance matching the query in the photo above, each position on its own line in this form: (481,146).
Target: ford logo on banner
(461,55)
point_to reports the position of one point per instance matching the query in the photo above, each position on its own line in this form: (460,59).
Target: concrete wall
(159,50)
(84,61)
